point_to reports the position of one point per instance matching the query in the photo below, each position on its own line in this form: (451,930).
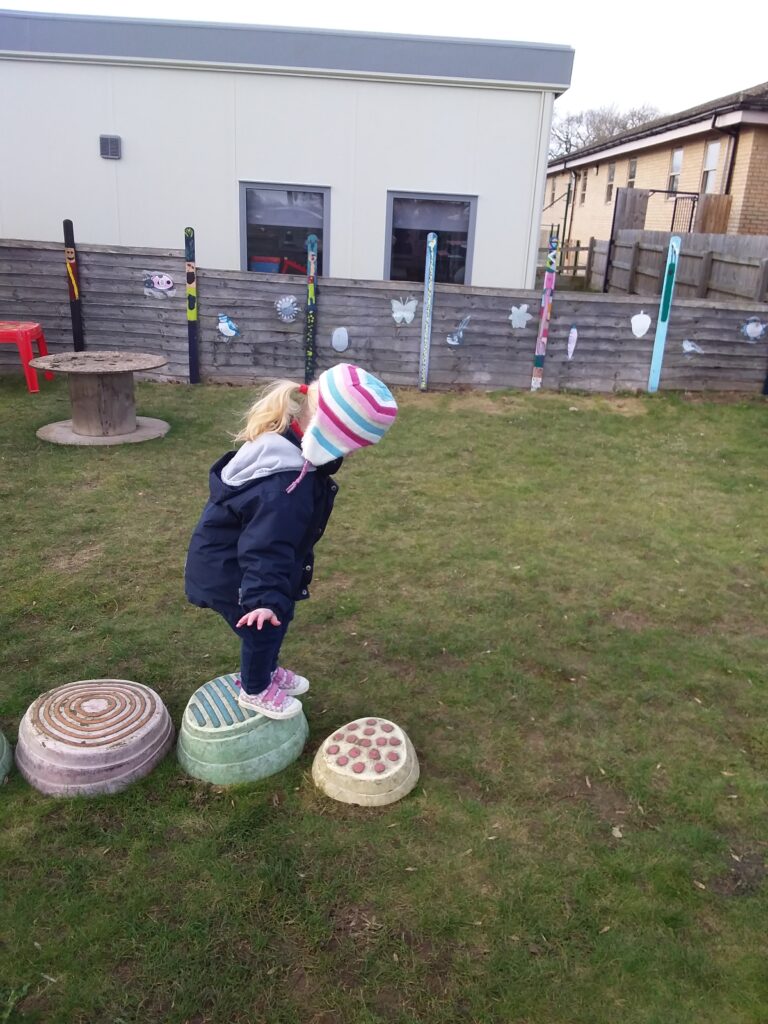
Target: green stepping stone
(221,742)
(6,757)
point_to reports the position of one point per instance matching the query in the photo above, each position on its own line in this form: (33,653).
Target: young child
(251,554)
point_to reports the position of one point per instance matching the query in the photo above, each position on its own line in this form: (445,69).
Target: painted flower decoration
(753,329)
(287,308)
(519,317)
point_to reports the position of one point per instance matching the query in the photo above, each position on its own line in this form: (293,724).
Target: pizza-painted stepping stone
(93,736)
(371,770)
(221,742)
(6,757)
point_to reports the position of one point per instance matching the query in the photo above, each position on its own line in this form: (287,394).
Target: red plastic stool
(22,333)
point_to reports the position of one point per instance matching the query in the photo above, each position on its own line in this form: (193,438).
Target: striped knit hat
(354,409)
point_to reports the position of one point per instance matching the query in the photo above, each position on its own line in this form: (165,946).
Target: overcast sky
(670,55)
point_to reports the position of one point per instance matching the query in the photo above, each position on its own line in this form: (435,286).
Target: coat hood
(269,454)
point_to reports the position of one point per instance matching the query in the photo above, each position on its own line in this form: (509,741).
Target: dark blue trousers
(259,648)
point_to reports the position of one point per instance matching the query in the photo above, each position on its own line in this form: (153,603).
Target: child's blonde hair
(279,404)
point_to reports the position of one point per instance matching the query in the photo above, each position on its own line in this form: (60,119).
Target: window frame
(706,170)
(282,187)
(450,197)
(674,175)
(631,178)
(583,189)
(610,183)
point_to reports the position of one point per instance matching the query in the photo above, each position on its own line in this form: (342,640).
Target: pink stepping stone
(370,721)
(342,760)
(394,741)
(393,756)
(381,741)
(358,767)
(379,768)
(92,736)
(387,727)
(334,748)
(354,752)
(369,732)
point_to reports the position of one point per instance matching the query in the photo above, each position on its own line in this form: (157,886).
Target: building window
(552,195)
(276,221)
(675,168)
(609,186)
(631,173)
(583,194)
(410,218)
(709,173)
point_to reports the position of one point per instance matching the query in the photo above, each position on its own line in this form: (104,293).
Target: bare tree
(590,127)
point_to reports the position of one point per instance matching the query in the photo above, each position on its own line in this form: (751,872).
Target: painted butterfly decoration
(403,312)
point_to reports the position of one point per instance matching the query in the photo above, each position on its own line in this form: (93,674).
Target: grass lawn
(562,599)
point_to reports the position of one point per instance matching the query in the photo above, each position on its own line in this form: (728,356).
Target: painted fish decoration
(456,337)
(158,285)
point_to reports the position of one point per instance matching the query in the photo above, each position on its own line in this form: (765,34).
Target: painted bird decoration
(690,348)
(456,337)
(228,327)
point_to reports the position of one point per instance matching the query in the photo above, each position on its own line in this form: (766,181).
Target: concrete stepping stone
(92,736)
(369,762)
(6,758)
(222,743)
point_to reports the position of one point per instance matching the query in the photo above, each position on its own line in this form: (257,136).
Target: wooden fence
(118,314)
(720,267)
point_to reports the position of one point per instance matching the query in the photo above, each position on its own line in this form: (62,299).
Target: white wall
(189,137)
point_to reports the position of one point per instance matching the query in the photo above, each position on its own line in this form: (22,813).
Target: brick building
(720,147)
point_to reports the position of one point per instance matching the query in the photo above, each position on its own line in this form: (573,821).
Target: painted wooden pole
(73,282)
(665,308)
(427,308)
(310,328)
(550,278)
(190,268)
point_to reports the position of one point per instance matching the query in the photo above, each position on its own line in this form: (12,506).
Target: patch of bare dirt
(633,622)
(73,561)
(355,922)
(744,877)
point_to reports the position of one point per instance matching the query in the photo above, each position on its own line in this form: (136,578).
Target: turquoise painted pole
(427,307)
(665,308)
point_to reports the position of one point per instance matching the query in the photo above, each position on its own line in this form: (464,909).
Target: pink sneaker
(289,682)
(272,702)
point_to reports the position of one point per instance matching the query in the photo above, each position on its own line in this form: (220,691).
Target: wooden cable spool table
(101,395)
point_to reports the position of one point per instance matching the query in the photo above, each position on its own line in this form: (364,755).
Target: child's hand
(259,616)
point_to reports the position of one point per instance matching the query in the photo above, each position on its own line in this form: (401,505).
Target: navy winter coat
(253,545)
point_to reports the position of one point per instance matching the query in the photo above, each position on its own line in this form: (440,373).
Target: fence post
(634,259)
(73,281)
(762,280)
(590,260)
(705,272)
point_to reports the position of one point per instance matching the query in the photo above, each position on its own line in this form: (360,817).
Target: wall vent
(110,147)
